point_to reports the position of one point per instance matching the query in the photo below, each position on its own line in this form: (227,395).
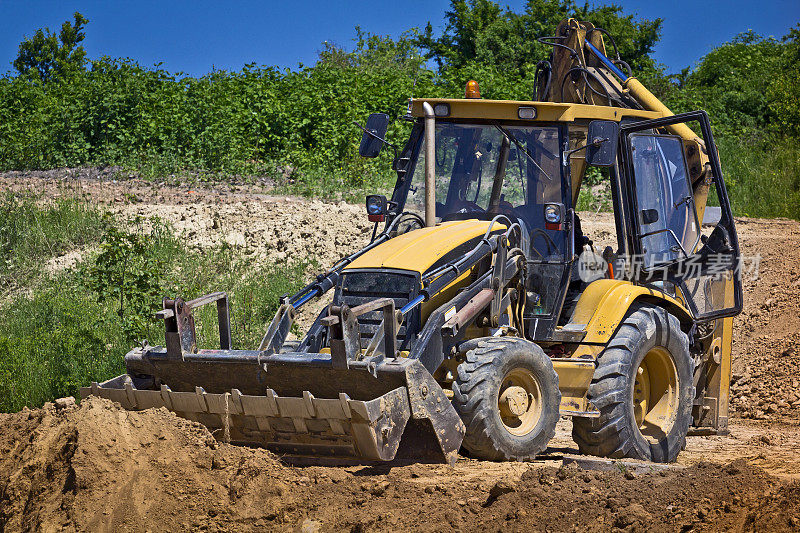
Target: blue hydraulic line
(412,304)
(607,62)
(303,299)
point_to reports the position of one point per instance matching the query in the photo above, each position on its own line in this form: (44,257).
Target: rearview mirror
(601,143)
(373,138)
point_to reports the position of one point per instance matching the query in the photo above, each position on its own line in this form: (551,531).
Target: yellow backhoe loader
(480,313)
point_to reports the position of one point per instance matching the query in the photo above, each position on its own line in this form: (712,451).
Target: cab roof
(478,108)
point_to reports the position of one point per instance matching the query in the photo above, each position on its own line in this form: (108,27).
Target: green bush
(55,341)
(762,175)
(76,326)
(129,272)
(296,125)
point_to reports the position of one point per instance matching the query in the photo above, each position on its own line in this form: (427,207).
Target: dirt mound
(778,512)
(98,467)
(766,336)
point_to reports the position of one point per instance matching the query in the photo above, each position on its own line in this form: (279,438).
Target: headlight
(376,207)
(552,214)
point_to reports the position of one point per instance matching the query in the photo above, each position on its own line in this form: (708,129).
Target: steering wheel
(466,206)
(407,222)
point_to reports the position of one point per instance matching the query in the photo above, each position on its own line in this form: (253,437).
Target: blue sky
(193,36)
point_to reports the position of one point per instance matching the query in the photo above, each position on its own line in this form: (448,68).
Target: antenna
(413,86)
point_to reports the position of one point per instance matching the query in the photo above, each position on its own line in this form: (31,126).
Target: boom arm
(581,72)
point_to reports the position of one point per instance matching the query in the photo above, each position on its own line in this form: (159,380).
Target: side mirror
(601,143)
(374,133)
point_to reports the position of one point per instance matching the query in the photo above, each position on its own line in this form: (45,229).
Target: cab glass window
(666,210)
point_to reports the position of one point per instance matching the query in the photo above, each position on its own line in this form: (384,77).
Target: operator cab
(509,169)
(523,162)
(485,170)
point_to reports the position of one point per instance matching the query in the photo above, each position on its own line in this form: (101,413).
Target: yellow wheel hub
(520,402)
(655,394)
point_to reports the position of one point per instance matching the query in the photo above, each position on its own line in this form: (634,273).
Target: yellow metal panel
(545,111)
(604,303)
(444,295)
(574,377)
(418,250)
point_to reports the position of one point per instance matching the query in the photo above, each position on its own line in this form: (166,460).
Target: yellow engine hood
(420,249)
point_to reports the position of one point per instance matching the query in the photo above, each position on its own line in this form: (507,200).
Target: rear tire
(643,388)
(506,392)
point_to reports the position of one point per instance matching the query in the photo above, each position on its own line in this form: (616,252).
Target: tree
(483,33)
(784,91)
(47,55)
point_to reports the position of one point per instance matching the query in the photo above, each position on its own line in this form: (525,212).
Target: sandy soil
(96,467)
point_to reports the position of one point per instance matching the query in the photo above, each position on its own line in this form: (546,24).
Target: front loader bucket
(297,404)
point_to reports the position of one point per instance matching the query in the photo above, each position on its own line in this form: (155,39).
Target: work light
(376,207)
(553,216)
(441,110)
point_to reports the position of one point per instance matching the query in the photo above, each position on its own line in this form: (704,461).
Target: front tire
(506,392)
(643,388)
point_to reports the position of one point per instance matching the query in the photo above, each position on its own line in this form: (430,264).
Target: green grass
(30,235)
(762,176)
(76,325)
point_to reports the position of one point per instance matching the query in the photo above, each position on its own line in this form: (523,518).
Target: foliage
(30,235)
(783,94)
(295,126)
(128,271)
(76,325)
(480,32)
(47,55)
(762,175)
(257,120)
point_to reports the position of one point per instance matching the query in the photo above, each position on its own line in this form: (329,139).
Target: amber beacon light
(472,90)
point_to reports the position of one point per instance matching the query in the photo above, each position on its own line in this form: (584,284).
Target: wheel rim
(520,402)
(655,394)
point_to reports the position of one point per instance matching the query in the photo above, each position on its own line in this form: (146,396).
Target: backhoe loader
(481,313)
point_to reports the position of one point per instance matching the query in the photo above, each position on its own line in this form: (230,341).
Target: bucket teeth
(297,411)
(306,425)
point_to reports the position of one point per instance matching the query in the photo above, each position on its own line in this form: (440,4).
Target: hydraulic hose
(642,95)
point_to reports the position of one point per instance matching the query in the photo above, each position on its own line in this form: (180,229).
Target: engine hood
(421,249)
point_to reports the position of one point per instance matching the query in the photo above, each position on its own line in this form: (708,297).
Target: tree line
(59,107)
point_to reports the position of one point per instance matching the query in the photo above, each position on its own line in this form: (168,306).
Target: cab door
(667,183)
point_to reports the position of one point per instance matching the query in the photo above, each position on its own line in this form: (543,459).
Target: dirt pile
(269,229)
(766,350)
(266,227)
(97,467)
(779,511)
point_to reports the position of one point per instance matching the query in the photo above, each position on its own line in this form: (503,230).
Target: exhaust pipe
(430,165)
